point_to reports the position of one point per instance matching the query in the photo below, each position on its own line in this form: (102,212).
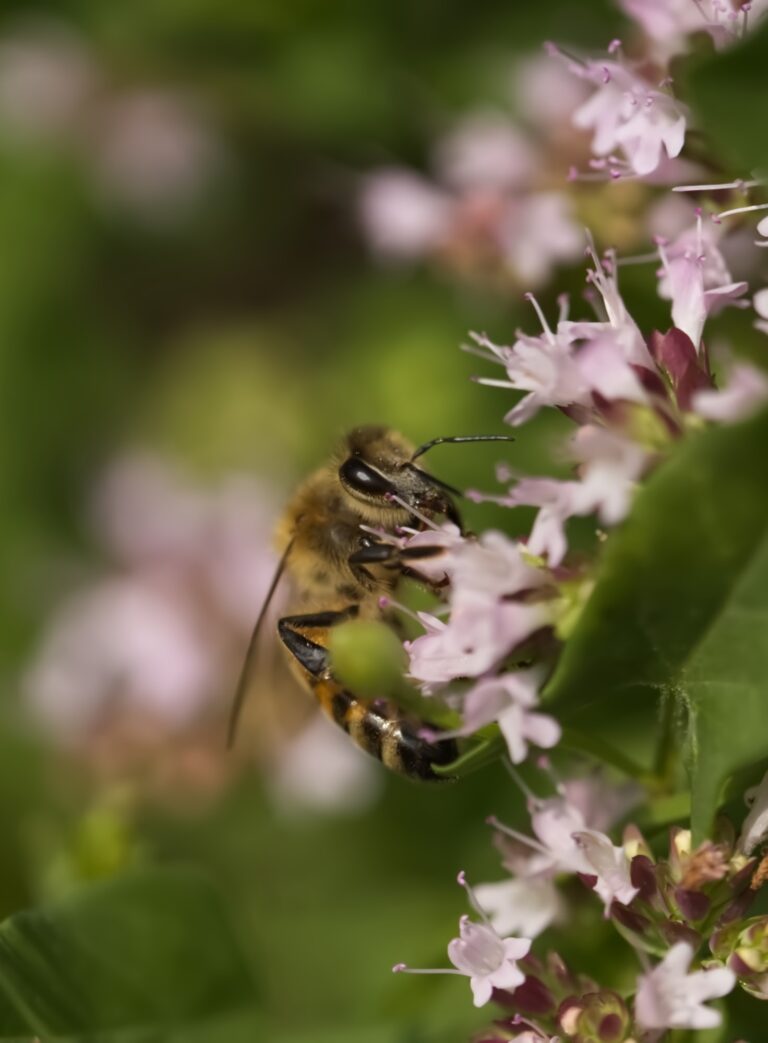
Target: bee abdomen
(387,737)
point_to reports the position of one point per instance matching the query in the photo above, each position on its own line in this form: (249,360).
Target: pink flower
(609,864)
(625,113)
(509,699)
(545,367)
(545,92)
(566,366)
(668,997)
(480,953)
(403,214)
(489,961)
(478,635)
(610,465)
(489,613)
(555,823)
(744,394)
(694,276)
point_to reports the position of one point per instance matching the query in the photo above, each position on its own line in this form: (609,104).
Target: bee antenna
(242,685)
(460,438)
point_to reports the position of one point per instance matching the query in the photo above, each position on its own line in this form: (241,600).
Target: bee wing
(250,656)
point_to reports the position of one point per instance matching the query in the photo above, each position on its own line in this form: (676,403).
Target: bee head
(376,469)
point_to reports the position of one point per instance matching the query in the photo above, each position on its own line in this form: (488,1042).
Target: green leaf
(478,756)
(144,951)
(681,609)
(728,92)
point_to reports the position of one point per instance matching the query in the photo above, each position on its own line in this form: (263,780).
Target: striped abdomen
(386,737)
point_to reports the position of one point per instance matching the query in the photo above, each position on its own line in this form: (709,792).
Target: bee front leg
(311,655)
(393,557)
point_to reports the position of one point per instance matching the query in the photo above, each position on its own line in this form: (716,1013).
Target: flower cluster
(493,210)
(669,908)
(488,648)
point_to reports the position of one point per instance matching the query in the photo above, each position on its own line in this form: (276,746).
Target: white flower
(522,906)
(755,828)
(668,997)
(487,959)
(609,864)
(744,394)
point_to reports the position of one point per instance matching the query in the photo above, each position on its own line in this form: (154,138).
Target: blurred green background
(213,302)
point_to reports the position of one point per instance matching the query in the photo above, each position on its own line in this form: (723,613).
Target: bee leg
(309,654)
(375,554)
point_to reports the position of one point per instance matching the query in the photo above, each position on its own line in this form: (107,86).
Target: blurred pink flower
(154,154)
(403,215)
(760,304)
(485,150)
(627,114)
(546,94)
(150,515)
(669,23)
(523,906)
(319,769)
(47,78)
(122,641)
(745,392)
(537,232)
(141,655)
(669,997)
(755,827)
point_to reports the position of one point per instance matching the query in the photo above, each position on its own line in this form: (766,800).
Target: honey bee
(340,571)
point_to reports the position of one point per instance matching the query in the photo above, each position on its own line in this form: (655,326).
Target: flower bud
(749,957)
(597,1017)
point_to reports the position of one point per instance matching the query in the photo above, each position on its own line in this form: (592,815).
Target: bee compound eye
(359,477)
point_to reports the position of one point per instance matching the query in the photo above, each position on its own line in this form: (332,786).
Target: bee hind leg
(311,655)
